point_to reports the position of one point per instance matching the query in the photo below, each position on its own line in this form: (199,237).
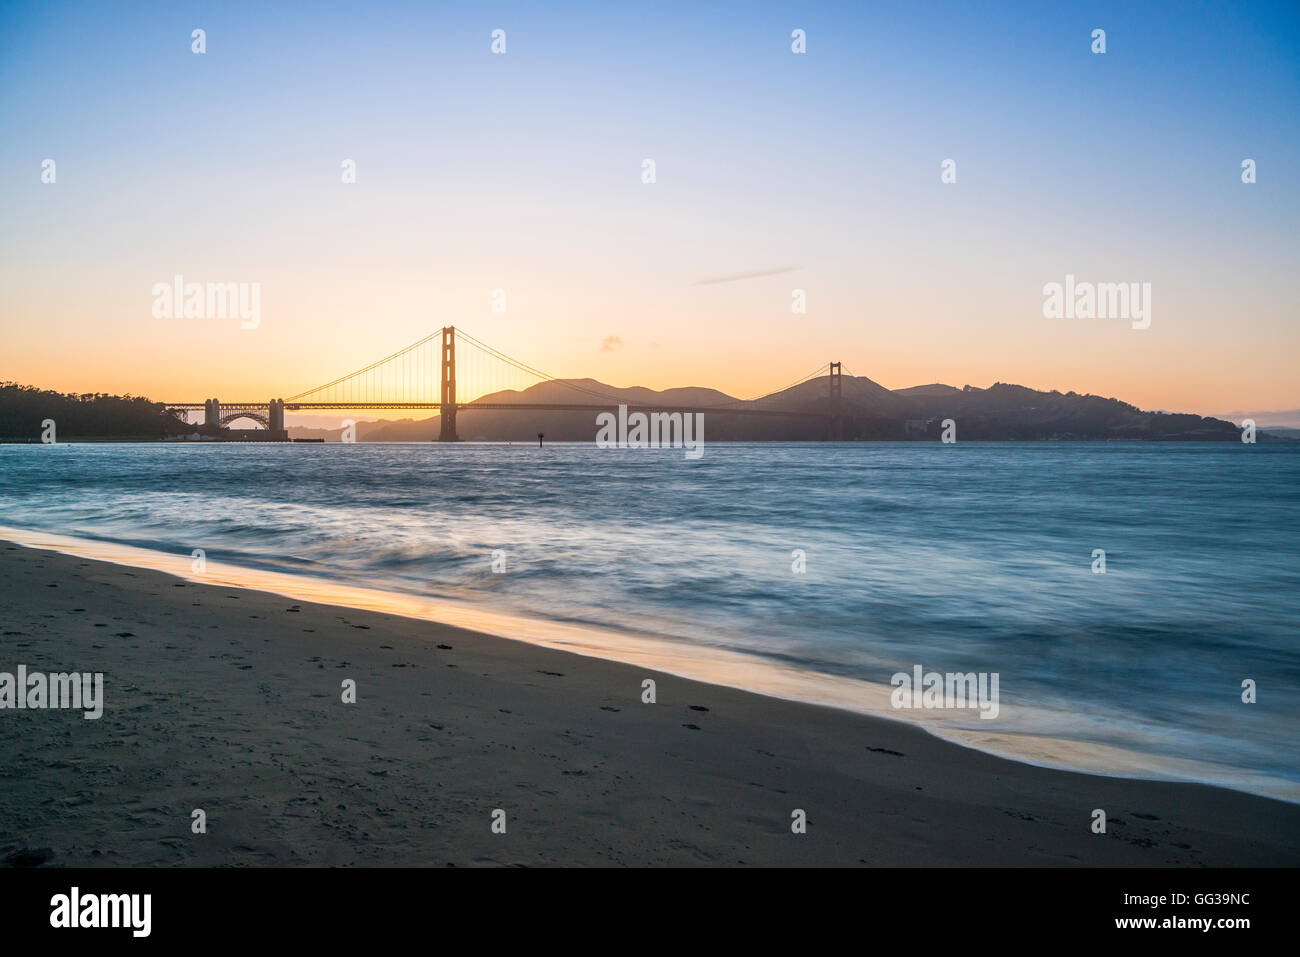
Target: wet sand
(229,700)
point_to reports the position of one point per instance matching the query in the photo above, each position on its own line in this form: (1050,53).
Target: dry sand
(229,700)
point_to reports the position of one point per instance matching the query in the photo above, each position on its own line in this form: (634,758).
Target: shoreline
(748,673)
(228,700)
(703,663)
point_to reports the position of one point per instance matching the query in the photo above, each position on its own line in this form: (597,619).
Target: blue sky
(521,172)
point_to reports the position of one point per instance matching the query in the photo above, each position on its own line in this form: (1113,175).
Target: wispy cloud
(754,274)
(611,343)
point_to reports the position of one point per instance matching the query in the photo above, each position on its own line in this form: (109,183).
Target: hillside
(1005,411)
(871,412)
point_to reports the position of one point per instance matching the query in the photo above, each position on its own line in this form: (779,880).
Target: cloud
(611,343)
(736,277)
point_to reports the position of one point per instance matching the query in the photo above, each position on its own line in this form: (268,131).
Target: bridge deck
(506,406)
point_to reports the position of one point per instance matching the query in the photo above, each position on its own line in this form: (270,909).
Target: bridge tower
(837,403)
(275,419)
(447,412)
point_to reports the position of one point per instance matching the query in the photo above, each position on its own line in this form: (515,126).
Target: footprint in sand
(28,857)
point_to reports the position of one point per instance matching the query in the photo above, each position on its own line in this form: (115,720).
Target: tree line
(23,409)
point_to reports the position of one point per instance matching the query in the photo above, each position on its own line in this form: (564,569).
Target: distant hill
(871,412)
(927,391)
(1004,412)
(1284,419)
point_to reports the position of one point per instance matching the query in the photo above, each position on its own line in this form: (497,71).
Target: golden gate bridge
(476,378)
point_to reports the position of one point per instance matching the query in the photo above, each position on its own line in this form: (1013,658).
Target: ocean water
(967,557)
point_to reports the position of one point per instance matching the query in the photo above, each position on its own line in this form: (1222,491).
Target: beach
(229,701)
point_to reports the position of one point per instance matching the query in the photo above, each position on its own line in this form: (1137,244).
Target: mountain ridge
(1000,412)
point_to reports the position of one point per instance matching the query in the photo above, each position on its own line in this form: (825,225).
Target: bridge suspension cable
(543,376)
(360,372)
(412,377)
(802,379)
(530,370)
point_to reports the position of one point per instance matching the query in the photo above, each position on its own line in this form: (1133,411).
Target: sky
(522,171)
